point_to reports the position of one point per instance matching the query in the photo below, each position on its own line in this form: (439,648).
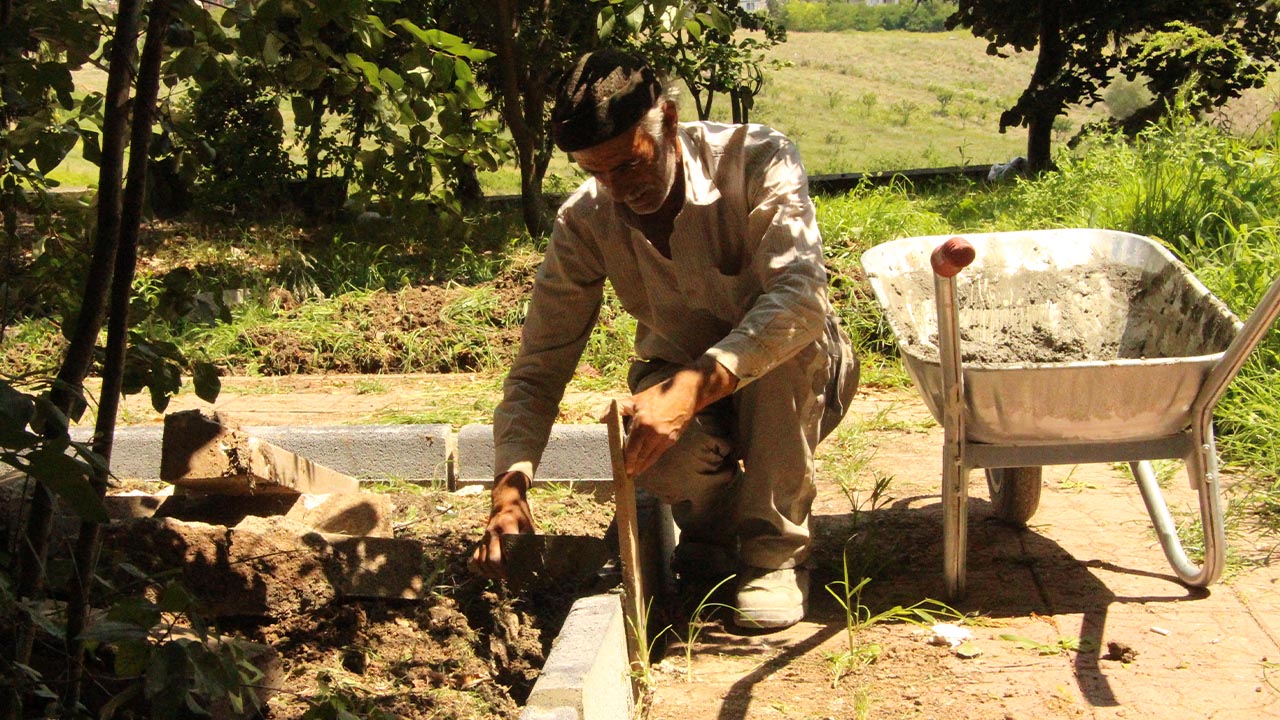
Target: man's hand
(510,514)
(660,414)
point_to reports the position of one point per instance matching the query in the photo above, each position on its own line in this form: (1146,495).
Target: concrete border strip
(586,675)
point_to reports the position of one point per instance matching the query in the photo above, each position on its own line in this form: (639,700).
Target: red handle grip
(952,256)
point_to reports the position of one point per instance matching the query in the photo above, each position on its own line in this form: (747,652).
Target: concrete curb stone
(409,452)
(574,453)
(587,675)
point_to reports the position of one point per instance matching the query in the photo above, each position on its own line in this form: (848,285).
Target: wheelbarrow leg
(948,259)
(955,519)
(1202,468)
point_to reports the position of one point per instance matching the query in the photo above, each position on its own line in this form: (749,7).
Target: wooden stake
(624,496)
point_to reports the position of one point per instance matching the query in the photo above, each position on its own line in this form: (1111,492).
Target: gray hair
(651,122)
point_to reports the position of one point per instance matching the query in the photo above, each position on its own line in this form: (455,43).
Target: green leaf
(390,77)
(369,69)
(605,23)
(16,410)
(159,398)
(68,478)
(205,377)
(115,631)
(131,658)
(187,62)
(271,48)
(720,21)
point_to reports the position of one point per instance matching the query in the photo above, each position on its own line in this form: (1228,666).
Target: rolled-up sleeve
(791,311)
(562,311)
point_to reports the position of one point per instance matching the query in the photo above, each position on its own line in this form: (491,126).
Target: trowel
(569,561)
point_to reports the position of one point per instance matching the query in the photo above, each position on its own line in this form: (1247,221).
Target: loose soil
(1076,617)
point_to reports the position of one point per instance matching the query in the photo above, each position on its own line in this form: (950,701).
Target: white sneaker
(771,599)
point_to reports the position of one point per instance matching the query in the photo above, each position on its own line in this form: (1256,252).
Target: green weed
(1061,646)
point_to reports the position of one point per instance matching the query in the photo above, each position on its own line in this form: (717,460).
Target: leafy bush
(236,127)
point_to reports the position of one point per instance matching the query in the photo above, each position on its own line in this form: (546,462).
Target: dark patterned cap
(606,93)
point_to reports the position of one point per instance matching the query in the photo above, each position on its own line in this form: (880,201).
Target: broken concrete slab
(360,514)
(357,514)
(204,453)
(577,454)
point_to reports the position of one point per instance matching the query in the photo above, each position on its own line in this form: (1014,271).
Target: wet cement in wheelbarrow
(1094,311)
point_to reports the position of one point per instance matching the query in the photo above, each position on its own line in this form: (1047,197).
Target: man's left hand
(660,414)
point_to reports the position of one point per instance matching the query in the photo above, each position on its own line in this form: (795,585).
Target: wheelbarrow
(1074,346)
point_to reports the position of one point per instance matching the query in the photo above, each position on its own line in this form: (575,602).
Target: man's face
(633,168)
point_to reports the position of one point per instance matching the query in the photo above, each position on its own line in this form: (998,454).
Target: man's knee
(697,466)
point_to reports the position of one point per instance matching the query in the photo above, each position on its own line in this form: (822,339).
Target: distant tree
(704,44)
(1084,43)
(535,42)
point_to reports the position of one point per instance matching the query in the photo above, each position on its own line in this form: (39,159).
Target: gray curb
(587,675)
(381,452)
(576,454)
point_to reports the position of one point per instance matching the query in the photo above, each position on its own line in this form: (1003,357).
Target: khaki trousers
(742,473)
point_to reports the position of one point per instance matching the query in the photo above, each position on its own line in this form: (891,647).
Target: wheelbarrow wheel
(1015,493)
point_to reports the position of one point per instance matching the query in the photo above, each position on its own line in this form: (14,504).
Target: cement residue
(1095,311)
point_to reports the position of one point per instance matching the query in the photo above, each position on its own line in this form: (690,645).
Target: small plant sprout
(858,618)
(642,672)
(697,623)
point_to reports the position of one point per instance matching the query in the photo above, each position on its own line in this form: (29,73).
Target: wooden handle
(624,498)
(952,256)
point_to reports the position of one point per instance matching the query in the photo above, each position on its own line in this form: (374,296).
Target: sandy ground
(1078,616)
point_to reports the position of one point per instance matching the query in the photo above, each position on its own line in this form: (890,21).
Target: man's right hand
(510,514)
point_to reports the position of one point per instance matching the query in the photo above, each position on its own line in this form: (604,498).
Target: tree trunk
(1049,63)
(67,391)
(314,132)
(523,116)
(89,541)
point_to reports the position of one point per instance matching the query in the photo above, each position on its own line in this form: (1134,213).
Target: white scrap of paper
(948,634)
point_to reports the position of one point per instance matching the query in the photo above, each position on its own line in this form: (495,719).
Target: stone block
(404,452)
(228,510)
(134,505)
(575,453)
(587,672)
(202,453)
(361,514)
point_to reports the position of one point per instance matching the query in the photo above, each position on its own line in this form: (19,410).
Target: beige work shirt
(745,283)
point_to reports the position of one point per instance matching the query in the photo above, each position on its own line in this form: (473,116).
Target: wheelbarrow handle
(952,256)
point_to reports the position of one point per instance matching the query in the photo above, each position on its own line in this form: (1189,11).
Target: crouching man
(707,233)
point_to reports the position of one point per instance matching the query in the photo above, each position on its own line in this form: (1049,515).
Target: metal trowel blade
(560,559)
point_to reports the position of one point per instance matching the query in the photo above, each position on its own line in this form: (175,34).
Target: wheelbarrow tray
(1154,329)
